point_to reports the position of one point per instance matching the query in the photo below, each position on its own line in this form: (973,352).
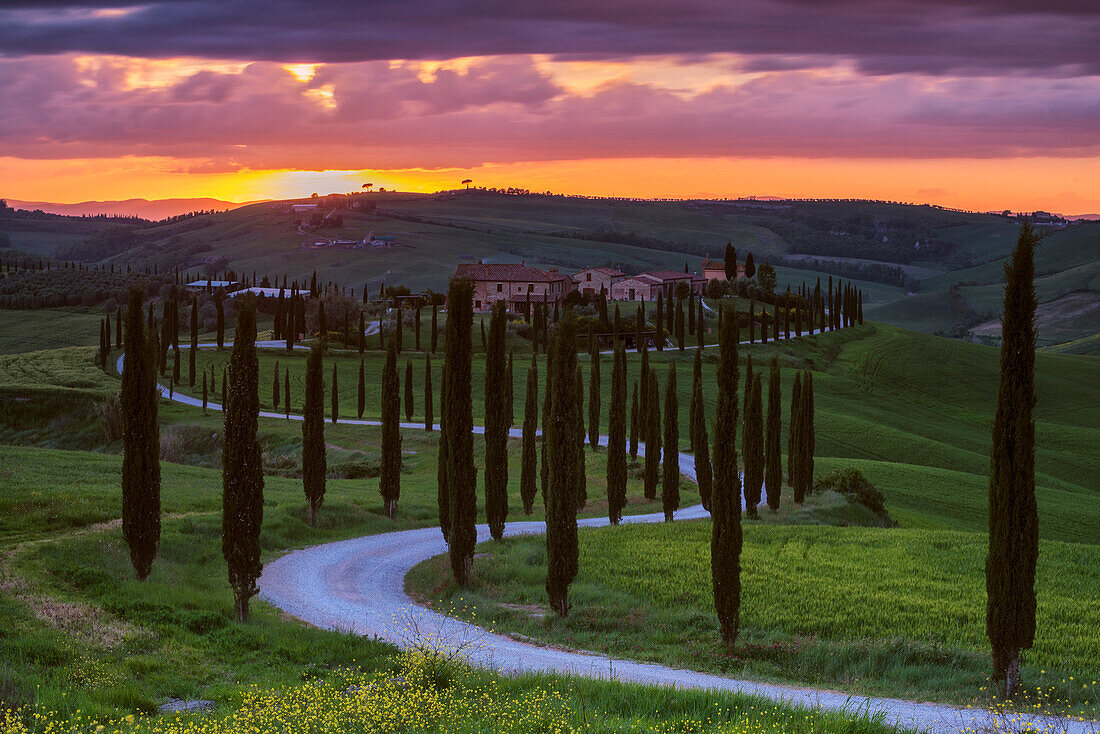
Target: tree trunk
(241,604)
(312,515)
(1012,673)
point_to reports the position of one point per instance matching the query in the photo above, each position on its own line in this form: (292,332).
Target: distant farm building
(205,286)
(593,281)
(716,269)
(516,284)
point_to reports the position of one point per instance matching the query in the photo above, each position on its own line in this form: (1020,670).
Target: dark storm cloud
(883,37)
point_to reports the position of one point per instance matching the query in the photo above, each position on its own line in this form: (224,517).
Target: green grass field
(892,611)
(32,331)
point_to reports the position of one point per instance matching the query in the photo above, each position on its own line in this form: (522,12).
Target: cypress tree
(700,326)
(670,484)
(362,332)
(290,328)
(409,390)
(703,475)
(544,468)
(561,504)
(175,364)
(773,463)
(659,339)
(458,424)
(435,327)
(530,427)
(616,439)
(275,387)
(389,480)
(510,384)
(399,328)
(118,328)
(484,341)
(750,266)
(652,436)
(680,323)
(793,439)
(696,398)
(219,305)
(429,413)
(806,402)
(594,391)
(204,392)
(754,458)
(314,461)
(193,355)
(335,409)
(1013,519)
(745,408)
(496,424)
(634,417)
(689,310)
(639,327)
(730,263)
(225,385)
(725,543)
(242,464)
(322,325)
(361,392)
(581,476)
(141,441)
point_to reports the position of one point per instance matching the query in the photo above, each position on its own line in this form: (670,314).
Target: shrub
(851,483)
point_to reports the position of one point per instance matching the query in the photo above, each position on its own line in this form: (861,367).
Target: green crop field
(32,331)
(890,611)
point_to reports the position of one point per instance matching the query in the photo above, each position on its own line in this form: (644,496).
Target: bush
(109,413)
(851,483)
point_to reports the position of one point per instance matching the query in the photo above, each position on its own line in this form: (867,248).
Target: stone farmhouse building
(515,284)
(593,281)
(716,269)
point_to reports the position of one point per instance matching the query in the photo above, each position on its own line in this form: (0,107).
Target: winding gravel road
(357,586)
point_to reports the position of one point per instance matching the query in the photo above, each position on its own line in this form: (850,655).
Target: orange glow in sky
(1065,185)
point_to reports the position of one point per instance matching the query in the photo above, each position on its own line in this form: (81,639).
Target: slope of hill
(154,209)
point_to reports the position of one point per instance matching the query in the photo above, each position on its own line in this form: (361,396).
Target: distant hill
(146,209)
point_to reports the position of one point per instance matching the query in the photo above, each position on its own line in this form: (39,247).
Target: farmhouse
(515,284)
(671,279)
(204,286)
(716,269)
(643,287)
(593,281)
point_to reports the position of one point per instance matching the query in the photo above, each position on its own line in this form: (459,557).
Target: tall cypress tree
(561,502)
(652,436)
(730,263)
(242,464)
(314,461)
(416,326)
(204,392)
(680,323)
(389,480)
(435,327)
(429,413)
(409,406)
(141,441)
(361,392)
(458,424)
(754,458)
(703,474)
(1013,519)
(700,329)
(793,439)
(275,387)
(286,392)
(322,325)
(496,424)
(362,332)
(616,439)
(530,427)
(806,462)
(193,355)
(634,420)
(335,410)
(773,463)
(670,484)
(118,327)
(696,398)
(659,339)
(725,542)
(544,468)
(594,391)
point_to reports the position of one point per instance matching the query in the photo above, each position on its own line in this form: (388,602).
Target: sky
(978,104)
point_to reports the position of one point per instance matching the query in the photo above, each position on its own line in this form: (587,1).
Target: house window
(500,287)
(588,277)
(631,294)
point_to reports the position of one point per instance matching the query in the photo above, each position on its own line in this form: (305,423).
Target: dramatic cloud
(502,109)
(942,36)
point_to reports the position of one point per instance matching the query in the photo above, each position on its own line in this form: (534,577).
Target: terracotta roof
(668,275)
(605,271)
(505,272)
